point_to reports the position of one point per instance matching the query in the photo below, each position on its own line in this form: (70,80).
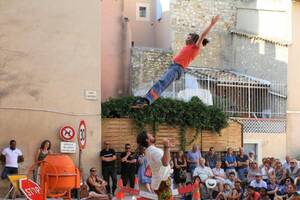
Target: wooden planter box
(119,131)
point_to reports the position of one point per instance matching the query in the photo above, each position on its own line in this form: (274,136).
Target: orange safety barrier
(120,195)
(196,193)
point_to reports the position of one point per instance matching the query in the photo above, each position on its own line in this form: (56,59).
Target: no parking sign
(67,133)
(82,135)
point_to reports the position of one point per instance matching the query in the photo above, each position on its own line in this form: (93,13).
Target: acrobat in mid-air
(194,44)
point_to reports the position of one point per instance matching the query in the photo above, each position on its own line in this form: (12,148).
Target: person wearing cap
(108,157)
(293,170)
(258,182)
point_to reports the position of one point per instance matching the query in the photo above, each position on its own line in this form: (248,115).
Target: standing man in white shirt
(11,156)
(159,162)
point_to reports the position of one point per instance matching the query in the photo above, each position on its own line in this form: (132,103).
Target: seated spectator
(267,171)
(258,182)
(180,165)
(230,161)
(242,165)
(286,165)
(226,191)
(219,175)
(237,191)
(231,179)
(282,188)
(272,187)
(280,172)
(293,170)
(202,171)
(253,170)
(263,194)
(291,191)
(297,183)
(97,186)
(211,158)
(251,194)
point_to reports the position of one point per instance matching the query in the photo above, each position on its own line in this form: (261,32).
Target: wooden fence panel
(119,131)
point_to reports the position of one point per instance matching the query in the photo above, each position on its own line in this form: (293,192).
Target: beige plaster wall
(49,55)
(293,117)
(268,144)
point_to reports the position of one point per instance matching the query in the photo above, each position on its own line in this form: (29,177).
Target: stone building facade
(245,40)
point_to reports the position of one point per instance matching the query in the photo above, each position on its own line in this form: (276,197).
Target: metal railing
(242,97)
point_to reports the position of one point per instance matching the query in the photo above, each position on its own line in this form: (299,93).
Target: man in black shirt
(242,165)
(108,157)
(128,166)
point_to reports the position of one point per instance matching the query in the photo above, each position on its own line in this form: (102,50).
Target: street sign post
(82,135)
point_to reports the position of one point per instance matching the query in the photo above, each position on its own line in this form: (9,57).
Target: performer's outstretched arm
(207,30)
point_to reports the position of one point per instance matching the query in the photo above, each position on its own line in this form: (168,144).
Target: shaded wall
(142,30)
(115,43)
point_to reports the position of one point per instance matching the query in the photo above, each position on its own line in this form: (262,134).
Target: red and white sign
(30,189)
(82,135)
(67,133)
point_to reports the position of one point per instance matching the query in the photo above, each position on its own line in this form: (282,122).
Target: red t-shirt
(186,55)
(256,196)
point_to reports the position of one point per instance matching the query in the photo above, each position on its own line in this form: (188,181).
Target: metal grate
(263,125)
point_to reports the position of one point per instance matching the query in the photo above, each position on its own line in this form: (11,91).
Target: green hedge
(192,114)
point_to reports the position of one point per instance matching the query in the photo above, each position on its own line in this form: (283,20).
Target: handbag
(148,172)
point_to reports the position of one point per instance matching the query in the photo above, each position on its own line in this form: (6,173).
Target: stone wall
(148,64)
(195,16)
(260,59)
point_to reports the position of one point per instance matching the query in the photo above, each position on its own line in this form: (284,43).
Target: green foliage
(192,114)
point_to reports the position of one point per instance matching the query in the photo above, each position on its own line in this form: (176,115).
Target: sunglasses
(93,170)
